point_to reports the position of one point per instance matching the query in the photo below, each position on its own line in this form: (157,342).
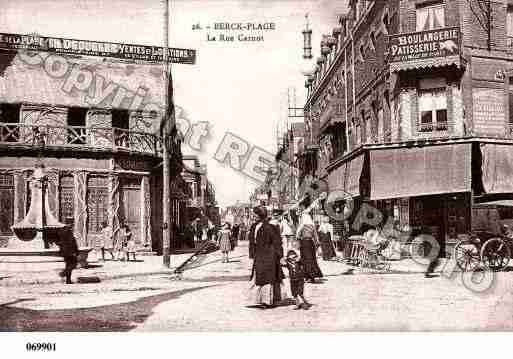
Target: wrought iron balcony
(107,138)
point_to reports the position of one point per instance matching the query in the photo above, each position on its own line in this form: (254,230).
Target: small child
(297,279)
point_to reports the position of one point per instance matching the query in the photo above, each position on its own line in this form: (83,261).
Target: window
(120,123)
(76,125)
(432,105)
(430,17)
(379,124)
(7,200)
(372,37)
(67,200)
(509,25)
(97,203)
(9,113)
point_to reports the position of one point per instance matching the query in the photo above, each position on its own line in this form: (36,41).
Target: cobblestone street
(143,296)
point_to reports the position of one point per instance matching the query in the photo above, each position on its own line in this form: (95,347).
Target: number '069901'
(37,347)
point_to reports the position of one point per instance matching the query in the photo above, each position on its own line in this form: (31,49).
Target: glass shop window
(97,203)
(76,125)
(120,123)
(430,17)
(9,113)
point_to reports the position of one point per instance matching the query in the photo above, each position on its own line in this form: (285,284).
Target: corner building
(103,158)
(411,108)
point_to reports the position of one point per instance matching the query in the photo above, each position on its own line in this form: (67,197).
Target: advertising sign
(95,48)
(425,44)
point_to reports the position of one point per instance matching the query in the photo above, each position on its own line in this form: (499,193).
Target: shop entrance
(130,209)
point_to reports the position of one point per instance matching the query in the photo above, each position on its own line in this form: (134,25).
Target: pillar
(114,204)
(146,213)
(80,226)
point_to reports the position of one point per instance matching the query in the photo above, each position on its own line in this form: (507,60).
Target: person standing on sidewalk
(309,240)
(225,241)
(107,242)
(266,251)
(325,238)
(287,233)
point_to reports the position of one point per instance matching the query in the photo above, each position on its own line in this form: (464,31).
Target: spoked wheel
(495,254)
(466,255)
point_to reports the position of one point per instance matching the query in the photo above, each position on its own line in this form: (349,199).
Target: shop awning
(418,171)
(497,167)
(347,177)
(426,63)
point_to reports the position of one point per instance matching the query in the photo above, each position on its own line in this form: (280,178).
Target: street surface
(143,296)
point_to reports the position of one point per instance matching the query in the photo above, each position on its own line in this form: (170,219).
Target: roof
(21,82)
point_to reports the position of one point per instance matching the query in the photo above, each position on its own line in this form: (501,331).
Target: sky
(239,87)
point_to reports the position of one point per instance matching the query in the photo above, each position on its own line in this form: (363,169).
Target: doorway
(130,208)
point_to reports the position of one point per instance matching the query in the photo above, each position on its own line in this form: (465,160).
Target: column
(80,226)
(114,204)
(146,213)
(19,195)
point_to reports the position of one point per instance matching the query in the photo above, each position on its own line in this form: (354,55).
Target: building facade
(94,125)
(410,109)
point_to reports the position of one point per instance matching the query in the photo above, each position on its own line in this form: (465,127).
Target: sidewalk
(17,271)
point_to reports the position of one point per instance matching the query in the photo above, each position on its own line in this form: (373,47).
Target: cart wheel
(495,254)
(466,255)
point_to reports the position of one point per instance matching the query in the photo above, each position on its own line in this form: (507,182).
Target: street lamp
(167,123)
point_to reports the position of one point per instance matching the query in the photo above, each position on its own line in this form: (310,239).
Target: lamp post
(167,124)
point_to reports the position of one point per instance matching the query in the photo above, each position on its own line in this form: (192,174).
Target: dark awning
(347,177)
(418,171)
(497,167)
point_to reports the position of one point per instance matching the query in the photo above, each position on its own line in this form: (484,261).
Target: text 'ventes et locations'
(236,31)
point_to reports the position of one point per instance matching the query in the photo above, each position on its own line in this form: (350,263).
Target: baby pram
(371,256)
(197,257)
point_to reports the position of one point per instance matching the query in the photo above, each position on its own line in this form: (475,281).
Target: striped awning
(426,63)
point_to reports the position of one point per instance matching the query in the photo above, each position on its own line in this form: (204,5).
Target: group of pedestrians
(266,240)
(119,247)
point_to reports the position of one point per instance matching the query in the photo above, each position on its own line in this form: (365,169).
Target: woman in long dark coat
(266,250)
(308,239)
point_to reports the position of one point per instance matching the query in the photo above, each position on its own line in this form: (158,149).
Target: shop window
(430,17)
(7,200)
(432,105)
(76,125)
(97,203)
(67,200)
(9,113)
(120,123)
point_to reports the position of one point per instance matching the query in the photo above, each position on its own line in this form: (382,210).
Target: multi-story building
(289,154)
(86,120)
(411,106)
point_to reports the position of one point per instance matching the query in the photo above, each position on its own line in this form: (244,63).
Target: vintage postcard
(263,166)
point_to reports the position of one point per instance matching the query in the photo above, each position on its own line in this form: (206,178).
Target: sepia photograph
(228,166)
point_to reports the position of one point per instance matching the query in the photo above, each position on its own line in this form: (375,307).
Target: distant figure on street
(287,233)
(266,251)
(235,235)
(224,242)
(128,242)
(309,240)
(68,249)
(326,239)
(107,242)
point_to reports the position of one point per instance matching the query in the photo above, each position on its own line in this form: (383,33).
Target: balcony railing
(80,136)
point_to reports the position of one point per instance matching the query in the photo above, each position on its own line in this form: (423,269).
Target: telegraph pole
(167,121)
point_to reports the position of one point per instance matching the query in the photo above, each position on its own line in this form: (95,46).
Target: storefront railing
(80,136)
